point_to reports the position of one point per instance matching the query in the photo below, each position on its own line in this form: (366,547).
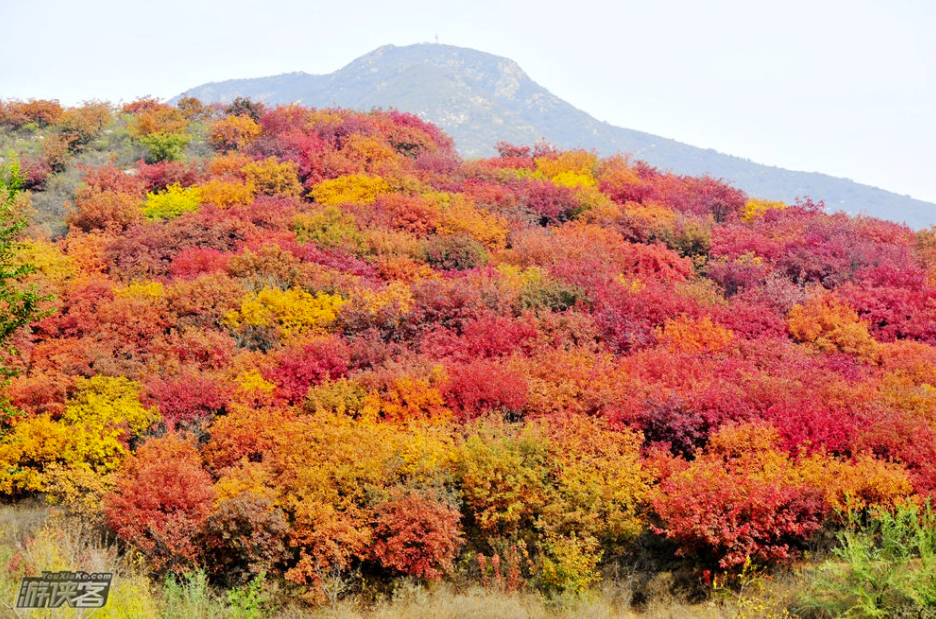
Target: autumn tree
(161,501)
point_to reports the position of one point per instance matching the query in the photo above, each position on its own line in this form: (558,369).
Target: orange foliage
(829,324)
(233,132)
(695,336)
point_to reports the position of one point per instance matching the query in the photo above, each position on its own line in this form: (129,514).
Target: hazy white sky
(845,87)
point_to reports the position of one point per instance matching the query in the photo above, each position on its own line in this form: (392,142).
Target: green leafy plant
(249,601)
(884,566)
(190,595)
(19,305)
(165,146)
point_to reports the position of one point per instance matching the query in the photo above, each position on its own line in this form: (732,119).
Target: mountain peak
(476,64)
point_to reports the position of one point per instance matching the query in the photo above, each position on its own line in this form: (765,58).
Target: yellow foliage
(857,484)
(103,401)
(571,564)
(460,216)
(323,118)
(328,227)
(172,202)
(579,164)
(330,468)
(515,277)
(245,476)
(590,198)
(600,481)
(616,172)
(162,119)
(251,382)
(504,476)
(291,312)
(703,290)
(902,391)
(756,207)
(427,452)
(350,189)
(751,449)
(339,397)
(651,216)
(569,178)
(226,194)
(48,260)
(394,244)
(271,177)
(73,457)
(631,284)
(396,294)
(151,291)
(35,445)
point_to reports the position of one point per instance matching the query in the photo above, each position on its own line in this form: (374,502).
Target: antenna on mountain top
(437,39)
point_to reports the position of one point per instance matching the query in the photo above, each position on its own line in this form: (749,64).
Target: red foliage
(40,392)
(551,204)
(109,178)
(628,319)
(78,313)
(736,502)
(447,303)
(506,150)
(187,398)
(36,172)
(141,104)
(814,424)
(244,537)
(162,499)
(479,387)
(146,251)
(110,211)
(483,338)
(438,138)
(160,175)
(701,196)
(194,261)
(728,517)
(416,535)
(325,358)
(907,439)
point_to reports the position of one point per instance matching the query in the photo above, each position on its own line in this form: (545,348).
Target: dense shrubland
(316,350)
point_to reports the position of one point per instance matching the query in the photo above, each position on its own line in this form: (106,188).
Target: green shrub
(884,566)
(165,146)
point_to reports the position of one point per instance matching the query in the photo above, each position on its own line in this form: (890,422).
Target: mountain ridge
(480,99)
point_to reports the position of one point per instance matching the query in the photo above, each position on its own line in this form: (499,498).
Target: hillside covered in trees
(316,347)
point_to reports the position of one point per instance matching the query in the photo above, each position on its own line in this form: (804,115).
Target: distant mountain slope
(480,99)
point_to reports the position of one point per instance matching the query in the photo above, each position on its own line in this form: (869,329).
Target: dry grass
(446,602)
